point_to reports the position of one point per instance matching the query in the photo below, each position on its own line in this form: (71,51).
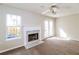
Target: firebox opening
(32,37)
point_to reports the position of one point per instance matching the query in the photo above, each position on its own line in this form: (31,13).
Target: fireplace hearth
(32,36)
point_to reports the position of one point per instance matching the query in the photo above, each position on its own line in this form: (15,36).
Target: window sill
(13,38)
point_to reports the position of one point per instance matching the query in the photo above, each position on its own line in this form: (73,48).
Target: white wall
(69,26)
(28,19)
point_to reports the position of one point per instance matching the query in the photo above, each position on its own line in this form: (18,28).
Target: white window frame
(48,28)
(12,26)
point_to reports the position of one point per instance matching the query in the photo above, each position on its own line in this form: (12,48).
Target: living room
(39,29)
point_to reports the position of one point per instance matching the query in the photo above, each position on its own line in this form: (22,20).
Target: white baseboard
(11,48)
(47,37)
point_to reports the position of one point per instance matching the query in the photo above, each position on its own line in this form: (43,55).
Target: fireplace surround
(32,36)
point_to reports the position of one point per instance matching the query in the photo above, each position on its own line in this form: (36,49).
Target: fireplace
(32,36)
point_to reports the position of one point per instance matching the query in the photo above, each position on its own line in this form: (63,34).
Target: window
(48,28)
(13,27)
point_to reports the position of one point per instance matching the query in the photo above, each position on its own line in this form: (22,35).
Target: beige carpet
(51,46)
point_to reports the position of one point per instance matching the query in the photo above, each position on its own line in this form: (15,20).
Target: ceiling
(64,8)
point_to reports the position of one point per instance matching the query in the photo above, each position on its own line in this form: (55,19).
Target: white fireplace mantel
(28,30)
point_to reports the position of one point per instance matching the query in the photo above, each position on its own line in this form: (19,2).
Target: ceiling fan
(55,8)
(52,9)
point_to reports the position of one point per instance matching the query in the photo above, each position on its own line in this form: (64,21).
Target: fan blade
(45,12)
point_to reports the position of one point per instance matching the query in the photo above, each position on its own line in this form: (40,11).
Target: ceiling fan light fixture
(53,9)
